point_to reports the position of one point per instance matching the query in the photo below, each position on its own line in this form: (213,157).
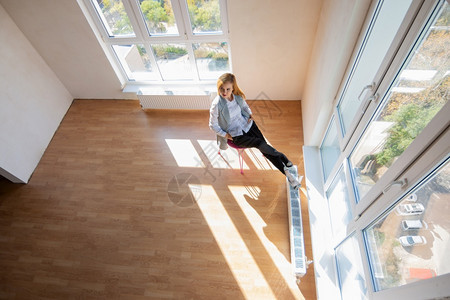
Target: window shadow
(264,229)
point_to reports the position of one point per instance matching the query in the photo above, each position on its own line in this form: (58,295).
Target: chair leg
(241,160)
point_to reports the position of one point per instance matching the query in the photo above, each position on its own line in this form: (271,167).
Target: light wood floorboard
(102,216)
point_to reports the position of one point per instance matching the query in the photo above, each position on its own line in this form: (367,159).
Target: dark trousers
(254,139)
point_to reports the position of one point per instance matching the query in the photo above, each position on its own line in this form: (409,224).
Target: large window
(380,35)
(163,41)
(385,161)
(411,238)
(417,94)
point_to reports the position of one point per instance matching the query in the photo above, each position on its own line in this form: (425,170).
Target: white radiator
(298,258)
(179,101)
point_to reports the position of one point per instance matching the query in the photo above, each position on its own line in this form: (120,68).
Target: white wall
(59,31)
(339,26)
(32,103)
(271,44)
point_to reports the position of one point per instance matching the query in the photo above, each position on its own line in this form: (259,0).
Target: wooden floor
(115,211)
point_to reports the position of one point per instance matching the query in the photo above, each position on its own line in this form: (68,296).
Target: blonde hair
(228,77)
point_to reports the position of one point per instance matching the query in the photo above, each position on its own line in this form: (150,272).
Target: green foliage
(220,56)
(204,14)
(409,121)
(169,12)
(216,55)
(117,17)
(202,53)
(217,52)
(163,51)
(155,15)
(141,51)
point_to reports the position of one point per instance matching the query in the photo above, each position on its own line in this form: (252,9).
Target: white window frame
(185,36)
(429,149)
(366,30)
(433,287)
(425,138)
(401,51)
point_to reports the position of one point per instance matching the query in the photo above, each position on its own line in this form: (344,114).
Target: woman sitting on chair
(231,118)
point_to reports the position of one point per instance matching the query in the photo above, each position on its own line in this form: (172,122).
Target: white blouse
(238,124)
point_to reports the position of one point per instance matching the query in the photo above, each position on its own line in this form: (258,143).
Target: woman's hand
(228,136)
(250,119)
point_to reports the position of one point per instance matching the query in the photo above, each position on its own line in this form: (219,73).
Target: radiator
(179,101)
(298,258)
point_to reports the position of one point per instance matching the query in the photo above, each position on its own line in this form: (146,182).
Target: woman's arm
(214,119)
(247,109)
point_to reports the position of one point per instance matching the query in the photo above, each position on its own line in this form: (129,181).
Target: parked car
(413,224)
(409,209)
(411,240)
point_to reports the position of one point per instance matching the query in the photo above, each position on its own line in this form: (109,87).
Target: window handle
(370,86)
(402,183)
(366,104)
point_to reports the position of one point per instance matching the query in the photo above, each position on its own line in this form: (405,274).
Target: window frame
(427,151)
(418,171)
(396,57)
(345,138)
(430,132)
(332,123)
(185,36)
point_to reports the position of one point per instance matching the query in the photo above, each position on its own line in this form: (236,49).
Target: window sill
(170,89)
(327,286)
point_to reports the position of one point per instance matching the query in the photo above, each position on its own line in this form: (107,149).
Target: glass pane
(350,269)
(329,150)
(410,242)
(204,16)
(373,51)
(114,18)
(135,61)
(339,203)
(212,59)
(417,94)
(158,16)
(173,61)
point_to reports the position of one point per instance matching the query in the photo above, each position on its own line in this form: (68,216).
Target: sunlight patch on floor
(241,262)
(259,160)
(228,159)
(244,195)
(184,153)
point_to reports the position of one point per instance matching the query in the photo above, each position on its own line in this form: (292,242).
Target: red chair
(240,151)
